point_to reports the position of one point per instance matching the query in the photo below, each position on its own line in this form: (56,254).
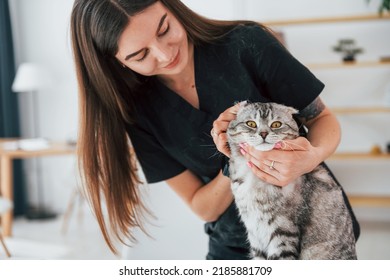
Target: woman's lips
(174,62)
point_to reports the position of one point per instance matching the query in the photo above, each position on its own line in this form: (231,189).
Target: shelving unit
(371,201)
(358,64)
(360,156)
(368,17)
(365,200)
(361,199)
(360,110)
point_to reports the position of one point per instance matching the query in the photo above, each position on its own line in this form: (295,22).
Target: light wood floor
(44,240)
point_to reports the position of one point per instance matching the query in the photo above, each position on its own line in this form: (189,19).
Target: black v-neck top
(170,135)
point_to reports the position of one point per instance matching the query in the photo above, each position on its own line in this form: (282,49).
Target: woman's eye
(276,124)
(164,32)
(144,56)
(251,124)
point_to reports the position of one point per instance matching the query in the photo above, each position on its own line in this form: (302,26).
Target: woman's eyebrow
(161,23)
(158,30)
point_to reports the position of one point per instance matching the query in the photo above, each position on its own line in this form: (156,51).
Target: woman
(162,76)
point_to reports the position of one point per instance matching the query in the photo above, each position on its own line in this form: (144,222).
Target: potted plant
(384,6)
(348,48)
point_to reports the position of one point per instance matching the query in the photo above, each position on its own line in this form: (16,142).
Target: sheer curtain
(9,116)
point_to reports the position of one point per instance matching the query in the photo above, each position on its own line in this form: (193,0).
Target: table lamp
(31,78)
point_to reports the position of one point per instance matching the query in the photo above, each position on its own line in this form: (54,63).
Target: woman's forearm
(208,201)
(324,134)
(211,200)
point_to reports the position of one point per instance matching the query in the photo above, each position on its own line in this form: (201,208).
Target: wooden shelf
(357,156)
(361,110)
(54,149)
(368,17)
(371,201)
(358,64)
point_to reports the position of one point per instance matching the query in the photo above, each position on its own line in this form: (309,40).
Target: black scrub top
(170,136)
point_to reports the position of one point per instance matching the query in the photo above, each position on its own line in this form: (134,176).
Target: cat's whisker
(300,126)
(216,154)
(208,135)
(286,144)
(208,145)
(290,145)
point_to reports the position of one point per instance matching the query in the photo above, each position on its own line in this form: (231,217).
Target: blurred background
(314,31)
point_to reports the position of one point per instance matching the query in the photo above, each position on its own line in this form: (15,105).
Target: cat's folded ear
(242,103)
(292,110)
(285,108)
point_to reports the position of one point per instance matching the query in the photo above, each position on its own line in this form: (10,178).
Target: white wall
(41,36)
(40,30)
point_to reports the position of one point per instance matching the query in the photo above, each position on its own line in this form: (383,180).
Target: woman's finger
(222,144)
(265,175)
(268,166)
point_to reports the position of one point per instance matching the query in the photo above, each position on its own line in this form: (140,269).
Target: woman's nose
(162,53)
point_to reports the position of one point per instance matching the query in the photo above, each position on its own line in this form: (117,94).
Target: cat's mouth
(265,146)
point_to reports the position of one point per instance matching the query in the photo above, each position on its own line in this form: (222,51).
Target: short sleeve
(282,77)
(155,161)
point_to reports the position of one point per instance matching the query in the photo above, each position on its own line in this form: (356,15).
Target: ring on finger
(271,166)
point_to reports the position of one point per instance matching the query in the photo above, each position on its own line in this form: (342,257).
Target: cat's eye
(276,124)
(251,124)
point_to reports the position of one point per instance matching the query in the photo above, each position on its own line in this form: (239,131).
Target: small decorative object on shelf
(348,48)
(376,150)
(384,59)
(388,147)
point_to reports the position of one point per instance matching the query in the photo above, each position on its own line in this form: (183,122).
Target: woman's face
(154,43)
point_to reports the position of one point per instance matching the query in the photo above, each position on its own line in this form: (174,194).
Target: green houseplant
(384,6)
(348,48)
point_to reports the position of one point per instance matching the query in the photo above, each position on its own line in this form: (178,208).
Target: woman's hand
(220,126)
(285,163)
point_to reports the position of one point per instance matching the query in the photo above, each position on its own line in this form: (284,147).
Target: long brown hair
(107,93)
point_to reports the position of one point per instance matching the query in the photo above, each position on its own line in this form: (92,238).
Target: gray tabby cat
(307,219)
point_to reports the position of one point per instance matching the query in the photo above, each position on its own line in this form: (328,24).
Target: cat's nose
(263,134)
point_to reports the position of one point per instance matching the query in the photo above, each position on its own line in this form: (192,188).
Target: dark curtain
(9,114)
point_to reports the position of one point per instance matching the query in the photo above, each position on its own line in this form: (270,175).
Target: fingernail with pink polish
(249,164)
(242,151)
(278,145)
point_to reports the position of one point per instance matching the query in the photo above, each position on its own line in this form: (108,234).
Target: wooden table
(6,170)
